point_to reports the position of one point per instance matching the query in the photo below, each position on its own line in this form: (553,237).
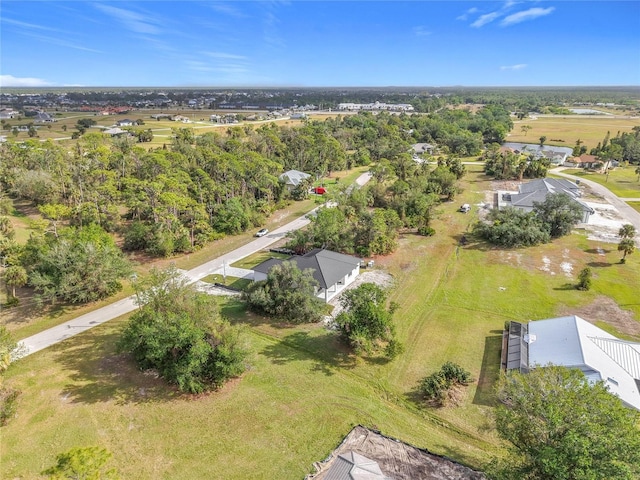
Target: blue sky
(308,44)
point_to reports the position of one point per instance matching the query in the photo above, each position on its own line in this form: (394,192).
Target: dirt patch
(396,459)
(605,310)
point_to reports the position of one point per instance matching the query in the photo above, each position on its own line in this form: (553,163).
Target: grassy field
(564,131)
(622,181)
(304,391)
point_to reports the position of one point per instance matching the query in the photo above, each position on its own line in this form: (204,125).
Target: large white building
(376,107)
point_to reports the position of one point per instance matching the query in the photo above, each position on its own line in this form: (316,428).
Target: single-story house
(293,178)
(114,131)
(44,117)
(420,148)
(575,343)
(536,191)
(583,161)
(124,123)
(557,155)
(333,271)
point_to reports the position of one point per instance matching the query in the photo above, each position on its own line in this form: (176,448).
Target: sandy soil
(604,309)
(396,459)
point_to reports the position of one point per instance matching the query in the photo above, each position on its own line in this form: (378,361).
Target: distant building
(376,106)
(293,178)
(557,155)
(575,343)
(124,123)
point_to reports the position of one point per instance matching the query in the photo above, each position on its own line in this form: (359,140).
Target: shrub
(584,279)
(8,404)
(437,388)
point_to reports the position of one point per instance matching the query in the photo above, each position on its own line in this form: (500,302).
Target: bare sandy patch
(605,310)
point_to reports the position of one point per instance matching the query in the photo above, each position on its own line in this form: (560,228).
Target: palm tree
(15,276)
(626,246)
(627,231)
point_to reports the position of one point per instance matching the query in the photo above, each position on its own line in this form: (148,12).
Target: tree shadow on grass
(325,350)
(98,373)
(566,287)
(489,371)
(597,251)
(599,264)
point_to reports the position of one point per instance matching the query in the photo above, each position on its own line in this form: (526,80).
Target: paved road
(630,214)
(89,320)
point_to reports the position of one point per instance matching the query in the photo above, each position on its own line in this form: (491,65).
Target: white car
(262,233)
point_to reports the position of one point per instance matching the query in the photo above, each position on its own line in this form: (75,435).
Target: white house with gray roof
(575,343)
(333,271)
(557,155)
(536,191)
(293,178)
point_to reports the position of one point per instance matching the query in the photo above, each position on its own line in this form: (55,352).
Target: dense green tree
(366,322)
(81,265)
(288,294)
(510,227)
(559,213)
(562,427)
(178,331)
(83,463)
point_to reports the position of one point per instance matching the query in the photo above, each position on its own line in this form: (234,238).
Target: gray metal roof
(293,177)
(353,466)
(574,342)
(328,267)
(536,191)
(537,149)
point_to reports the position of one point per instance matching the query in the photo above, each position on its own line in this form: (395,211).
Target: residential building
(557,155)
(536,191)
(575,343)
(293,178)
(333,271)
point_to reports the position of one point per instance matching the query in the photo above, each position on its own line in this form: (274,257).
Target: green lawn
(232,282)
(622,181)
(303,391)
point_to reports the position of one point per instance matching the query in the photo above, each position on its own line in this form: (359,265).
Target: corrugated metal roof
(625,354)
(574,342)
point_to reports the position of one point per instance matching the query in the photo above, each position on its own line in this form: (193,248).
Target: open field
(622,181)
(563,131)
(304,391)
(198,120)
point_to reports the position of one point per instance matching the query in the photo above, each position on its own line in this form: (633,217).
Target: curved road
(632,215)
(97,317)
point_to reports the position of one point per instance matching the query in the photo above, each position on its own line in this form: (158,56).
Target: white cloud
(466,14)
(526,15)
(227,9)
(421,31)
(484,19)
(518,66)
(224,55)
(11,81)
(133,21)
